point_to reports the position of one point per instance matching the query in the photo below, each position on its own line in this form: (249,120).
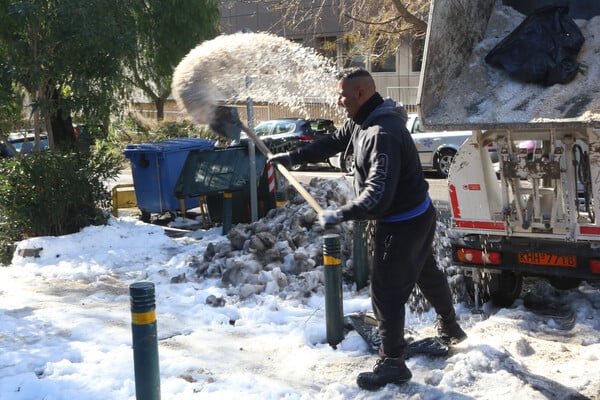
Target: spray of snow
(260,66)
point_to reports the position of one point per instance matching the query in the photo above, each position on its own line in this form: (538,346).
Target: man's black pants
(404,257)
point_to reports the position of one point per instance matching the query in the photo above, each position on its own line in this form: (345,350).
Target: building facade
(396,77)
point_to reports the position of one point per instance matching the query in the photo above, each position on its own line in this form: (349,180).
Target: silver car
(436,149)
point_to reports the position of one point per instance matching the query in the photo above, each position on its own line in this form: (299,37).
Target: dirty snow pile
(243,317)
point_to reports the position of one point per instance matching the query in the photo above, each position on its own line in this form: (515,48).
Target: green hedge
(54,193)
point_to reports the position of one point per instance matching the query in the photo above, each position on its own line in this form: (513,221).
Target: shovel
(226,122)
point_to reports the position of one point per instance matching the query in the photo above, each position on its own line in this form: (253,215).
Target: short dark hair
(353,72)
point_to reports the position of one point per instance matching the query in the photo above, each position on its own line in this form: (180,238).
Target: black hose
(583,175)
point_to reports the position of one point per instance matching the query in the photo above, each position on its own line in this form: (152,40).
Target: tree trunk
(62,126)
(160,109)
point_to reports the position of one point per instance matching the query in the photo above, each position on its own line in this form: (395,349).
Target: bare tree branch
(381,24)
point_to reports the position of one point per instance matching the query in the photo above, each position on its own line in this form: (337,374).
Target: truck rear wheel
(502,289)
(505,288)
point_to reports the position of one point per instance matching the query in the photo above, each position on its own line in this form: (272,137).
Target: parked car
(287,134)
(437,149)
(23,142)
(322,126)
(86,135)
(343,161)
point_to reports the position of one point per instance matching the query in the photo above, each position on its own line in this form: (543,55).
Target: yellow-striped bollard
(334,313)
(145,341)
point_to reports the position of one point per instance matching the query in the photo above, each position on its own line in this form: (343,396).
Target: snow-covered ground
(243,317)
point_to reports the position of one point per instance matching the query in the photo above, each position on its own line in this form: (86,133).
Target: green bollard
(145,341)
(360,259)
(332,265)
(279,198)
(227,211)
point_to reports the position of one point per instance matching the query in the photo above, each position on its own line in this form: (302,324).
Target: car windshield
(264,128)
(322,126)
(274,127)
(284,127)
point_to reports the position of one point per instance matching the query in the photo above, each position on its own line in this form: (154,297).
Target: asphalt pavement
(438,187)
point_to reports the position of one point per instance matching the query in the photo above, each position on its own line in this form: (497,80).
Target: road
(438,188)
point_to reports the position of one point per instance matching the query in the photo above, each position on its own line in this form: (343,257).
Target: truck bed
(459,90)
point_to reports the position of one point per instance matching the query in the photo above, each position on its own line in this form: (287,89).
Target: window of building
(327,46)
(384,64)
(354,51)
(417,49)
(381,59)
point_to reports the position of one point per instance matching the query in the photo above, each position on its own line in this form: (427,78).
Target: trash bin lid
(177,144)
(217,171)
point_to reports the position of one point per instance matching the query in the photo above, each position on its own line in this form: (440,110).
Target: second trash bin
(226,170)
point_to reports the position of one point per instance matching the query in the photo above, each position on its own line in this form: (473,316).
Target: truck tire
(502,289)
(563,283)
(443,160)
(505,288)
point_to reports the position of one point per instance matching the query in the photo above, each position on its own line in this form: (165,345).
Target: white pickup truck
(537,214)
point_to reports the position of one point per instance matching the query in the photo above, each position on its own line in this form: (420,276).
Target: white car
(436,149)
(344,161)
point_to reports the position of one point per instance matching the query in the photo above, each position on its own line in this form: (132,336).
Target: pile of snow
(242,316)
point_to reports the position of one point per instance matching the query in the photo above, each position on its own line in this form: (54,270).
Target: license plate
(548,259)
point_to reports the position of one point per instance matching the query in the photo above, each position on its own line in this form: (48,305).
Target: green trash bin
(215,172)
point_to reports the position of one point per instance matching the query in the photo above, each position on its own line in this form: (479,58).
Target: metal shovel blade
(226,122)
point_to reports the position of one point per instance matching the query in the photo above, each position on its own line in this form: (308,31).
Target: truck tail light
(472,256)
(595,266)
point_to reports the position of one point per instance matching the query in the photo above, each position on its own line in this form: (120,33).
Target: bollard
(145,341)
(360,259)
(227,211)
(279,198)
(332,265)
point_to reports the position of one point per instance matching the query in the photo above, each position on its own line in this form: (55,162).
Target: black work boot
(449,331)
(386,370)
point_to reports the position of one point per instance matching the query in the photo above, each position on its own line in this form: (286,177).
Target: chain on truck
(537,211)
